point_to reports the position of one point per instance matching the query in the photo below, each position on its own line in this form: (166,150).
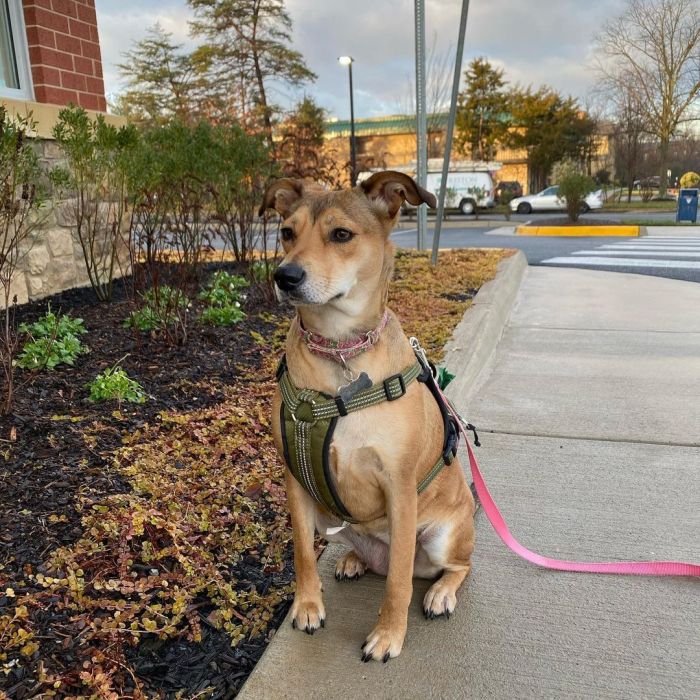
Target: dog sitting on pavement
(368,442)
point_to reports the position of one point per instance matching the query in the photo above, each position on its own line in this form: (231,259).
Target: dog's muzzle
(289,277)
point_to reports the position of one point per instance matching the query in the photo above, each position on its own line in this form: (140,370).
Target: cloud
(540,42)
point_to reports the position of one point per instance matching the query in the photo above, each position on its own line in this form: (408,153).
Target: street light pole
(348,61)
(421,121)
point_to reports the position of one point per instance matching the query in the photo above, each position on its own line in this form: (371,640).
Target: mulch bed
(145,549)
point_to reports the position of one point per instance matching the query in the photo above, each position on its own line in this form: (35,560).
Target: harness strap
(427,480)
(390,389)
(310,417)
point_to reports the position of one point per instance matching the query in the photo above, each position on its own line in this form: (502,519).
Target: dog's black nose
(289,277)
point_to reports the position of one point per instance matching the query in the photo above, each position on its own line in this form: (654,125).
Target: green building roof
(378,126)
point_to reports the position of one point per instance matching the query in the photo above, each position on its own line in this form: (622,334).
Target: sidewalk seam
(556,436)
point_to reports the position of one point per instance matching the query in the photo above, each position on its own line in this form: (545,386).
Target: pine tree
(163,81)
(483,114)
(249,41)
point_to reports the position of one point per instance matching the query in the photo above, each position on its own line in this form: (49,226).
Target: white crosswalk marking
(680,253)
(624,262)
(639,254)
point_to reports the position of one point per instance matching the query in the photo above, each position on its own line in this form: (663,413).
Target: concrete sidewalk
(593,401)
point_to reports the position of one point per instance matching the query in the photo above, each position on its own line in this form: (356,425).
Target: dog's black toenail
(323,623)
(294,623)
(386,657)
(447,614)
(366,657)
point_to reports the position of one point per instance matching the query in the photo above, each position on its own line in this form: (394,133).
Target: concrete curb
(578,231)
(482,325)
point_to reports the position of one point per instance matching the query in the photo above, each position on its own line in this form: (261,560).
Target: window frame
(21,46)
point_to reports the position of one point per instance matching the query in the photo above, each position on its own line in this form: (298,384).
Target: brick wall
(64,52)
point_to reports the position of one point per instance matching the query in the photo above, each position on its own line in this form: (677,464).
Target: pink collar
(341,350)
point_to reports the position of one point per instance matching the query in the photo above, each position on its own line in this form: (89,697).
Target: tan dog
(336,271)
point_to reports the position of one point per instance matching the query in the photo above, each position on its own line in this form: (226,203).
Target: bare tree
(438,86)
(629,133)
(653,47)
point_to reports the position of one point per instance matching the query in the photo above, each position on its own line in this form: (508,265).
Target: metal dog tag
(348,391)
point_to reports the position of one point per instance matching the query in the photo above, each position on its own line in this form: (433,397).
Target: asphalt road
(669,257)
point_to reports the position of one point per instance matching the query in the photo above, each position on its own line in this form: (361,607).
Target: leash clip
(418,350)
(348,374)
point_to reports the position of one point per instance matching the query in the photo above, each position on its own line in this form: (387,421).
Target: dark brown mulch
(48,464)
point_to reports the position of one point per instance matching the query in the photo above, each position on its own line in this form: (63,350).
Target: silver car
(549,200)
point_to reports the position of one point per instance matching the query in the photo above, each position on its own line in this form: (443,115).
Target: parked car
(549,200)
(511,187)
(466,191)
(647,183)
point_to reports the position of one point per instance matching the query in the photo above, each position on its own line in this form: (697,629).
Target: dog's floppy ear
(393,188)
(280,195)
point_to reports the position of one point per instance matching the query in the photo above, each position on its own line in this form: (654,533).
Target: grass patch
(430,301)
(663,205)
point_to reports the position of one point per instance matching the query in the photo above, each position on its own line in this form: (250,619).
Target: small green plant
(223,289)
(222,295)
(161,308)
(222,315)
(574,186)
(53,340)
(115,384)
(261,271)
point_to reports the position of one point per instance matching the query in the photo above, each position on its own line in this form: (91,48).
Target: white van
(465,190)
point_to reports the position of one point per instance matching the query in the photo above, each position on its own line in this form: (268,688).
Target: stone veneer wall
(55,260)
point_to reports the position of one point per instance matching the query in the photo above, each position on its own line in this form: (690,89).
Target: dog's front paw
(349,566)
(439,600)
(308,615)
(384,642)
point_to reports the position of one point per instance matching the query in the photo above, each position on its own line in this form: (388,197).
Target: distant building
(390,142)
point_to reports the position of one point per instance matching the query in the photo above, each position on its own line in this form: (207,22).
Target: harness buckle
(306,414)
(387,388)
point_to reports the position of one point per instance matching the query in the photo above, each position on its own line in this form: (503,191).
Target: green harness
(308,419)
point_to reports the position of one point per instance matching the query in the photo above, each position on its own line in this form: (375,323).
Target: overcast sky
(536,42)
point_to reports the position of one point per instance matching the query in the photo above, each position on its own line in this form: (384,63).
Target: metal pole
(353,146)
(450,129)
(421,119)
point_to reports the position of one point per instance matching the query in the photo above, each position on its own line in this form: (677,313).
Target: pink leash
(639,568)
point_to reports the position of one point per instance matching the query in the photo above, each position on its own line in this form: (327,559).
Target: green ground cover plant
(222,296)
(51,341)
(114,384)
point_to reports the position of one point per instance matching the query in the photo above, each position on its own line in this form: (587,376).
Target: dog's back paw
(349,567)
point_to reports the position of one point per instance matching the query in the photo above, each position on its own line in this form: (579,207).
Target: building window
(15,76)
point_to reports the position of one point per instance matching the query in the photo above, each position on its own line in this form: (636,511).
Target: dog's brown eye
(341,235)
(286,233)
